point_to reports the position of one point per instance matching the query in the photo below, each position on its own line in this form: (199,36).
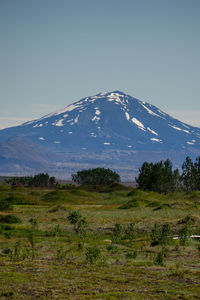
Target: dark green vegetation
(105,242)
(160,177)
(39,180)
(97,176)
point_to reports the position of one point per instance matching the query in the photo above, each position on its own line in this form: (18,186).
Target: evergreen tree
(144,179)
(158,177)
(188,174)
(197,173)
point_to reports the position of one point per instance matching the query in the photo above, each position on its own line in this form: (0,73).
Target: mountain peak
(116,92)
(109,123)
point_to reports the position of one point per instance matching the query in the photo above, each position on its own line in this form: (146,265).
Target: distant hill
(111,130)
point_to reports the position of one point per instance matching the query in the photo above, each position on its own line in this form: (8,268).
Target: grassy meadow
(112,252)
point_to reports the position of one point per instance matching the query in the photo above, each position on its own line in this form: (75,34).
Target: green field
(44,256)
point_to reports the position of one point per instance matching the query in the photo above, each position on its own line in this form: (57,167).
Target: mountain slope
(108,129)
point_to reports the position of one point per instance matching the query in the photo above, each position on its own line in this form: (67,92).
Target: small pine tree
(92,254)
(188,174)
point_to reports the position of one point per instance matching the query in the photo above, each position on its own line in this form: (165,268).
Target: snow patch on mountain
(59,123)
(93,135)
(76,119)
(38,125)
(178,128)
(138,123)
(127,116)
(96,119)
(161,112)
(151,112)
(156,140)
(190,143)
(97,112)
(73,121)
(114,97)
(152,131)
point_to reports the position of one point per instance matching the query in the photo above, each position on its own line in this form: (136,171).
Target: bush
(184,234)
(5,229)
(39,180)
(79,222)
(74,217)
(10,219)
(112,248)
(159,259)
(130,231)
(5,205)
(80,227)
(160,235)
(61,254)
(118,230)
(97,176)
(92,254)
(155,235)
(131,255)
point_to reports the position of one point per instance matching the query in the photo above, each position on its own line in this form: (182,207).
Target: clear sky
(55,52)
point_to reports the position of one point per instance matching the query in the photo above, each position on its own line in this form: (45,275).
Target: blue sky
(55,52)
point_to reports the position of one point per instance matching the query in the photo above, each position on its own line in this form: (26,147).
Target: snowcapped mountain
(109,129)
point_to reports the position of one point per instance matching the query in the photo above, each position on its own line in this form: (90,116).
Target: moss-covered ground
(42,257)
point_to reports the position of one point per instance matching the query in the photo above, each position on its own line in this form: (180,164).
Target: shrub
(198,248)
(165,234)
(10,219)
(155,235)
(17,250)
(74,217)
(39,180)
(92,254)
(117,230)
(165,251)
(7,251)
(5,205)
(131,255)
(160,235)
(79,222)
(130,231)
(80,246)
(159,259)
(112,248)
(184,234)
(5,227)
(61,254)
(33,222)
(31,239)
(188,220)
(80,227)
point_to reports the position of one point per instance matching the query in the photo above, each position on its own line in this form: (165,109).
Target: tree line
(161,177)
(39,180)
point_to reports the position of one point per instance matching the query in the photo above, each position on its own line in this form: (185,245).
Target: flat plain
(111,255)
